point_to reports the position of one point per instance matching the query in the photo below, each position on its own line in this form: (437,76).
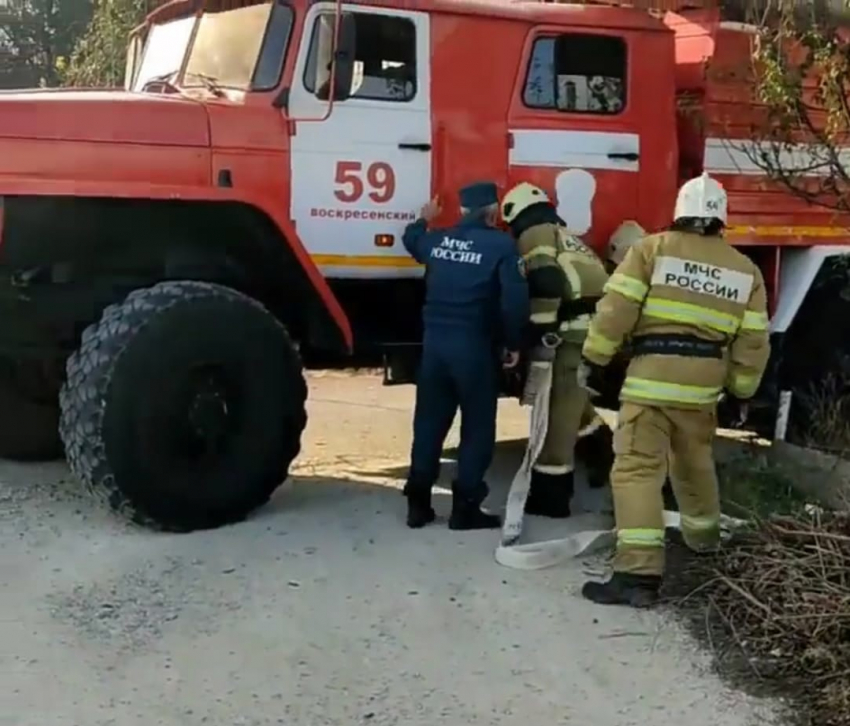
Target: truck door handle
(415,147)
(627,155)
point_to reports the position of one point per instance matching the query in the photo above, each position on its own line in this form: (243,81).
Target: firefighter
(476,306)
(628,234)
(695,309)
(565,279)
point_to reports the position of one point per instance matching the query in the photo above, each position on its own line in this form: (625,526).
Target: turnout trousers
(569,410)
(455,374)
(649,442)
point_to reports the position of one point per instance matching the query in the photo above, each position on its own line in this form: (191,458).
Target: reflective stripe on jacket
(685,285)
(561,270)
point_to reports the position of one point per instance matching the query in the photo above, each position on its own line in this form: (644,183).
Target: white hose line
(600,532)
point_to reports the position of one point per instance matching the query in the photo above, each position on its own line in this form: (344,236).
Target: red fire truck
(169,250)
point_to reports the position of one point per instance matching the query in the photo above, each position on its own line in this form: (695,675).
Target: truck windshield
(225,50)
(164,50)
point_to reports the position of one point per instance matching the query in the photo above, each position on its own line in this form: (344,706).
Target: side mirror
(344,53)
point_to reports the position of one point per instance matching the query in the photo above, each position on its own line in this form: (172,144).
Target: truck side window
(384,58)
(577,73)
(270,63)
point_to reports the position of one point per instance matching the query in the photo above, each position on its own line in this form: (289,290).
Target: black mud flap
(765,404)
(401,363)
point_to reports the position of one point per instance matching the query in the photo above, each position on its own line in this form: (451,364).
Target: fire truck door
(361,174)
(576,128)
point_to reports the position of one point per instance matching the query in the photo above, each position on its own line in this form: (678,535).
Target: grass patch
(753,486)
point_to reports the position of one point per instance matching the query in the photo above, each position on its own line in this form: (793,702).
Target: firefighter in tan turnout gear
(565,280)
(695,311)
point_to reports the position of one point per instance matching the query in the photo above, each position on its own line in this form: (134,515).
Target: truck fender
(798,269)
(273,208)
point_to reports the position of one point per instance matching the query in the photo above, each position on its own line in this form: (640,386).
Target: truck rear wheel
(29,428)
(184,406)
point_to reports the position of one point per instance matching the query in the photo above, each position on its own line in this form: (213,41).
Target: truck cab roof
(535,11)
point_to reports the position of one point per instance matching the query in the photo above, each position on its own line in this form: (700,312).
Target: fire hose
(599,533)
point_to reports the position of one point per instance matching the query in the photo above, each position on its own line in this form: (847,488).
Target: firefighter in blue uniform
(476,310)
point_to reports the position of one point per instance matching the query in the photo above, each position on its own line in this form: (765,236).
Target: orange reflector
(384,240)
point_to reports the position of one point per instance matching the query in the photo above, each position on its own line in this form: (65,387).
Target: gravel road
(323,608)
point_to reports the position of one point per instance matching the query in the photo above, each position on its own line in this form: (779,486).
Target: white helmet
(520,198)
(625,236)
(701,198)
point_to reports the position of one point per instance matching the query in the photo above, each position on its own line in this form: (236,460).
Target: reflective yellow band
(688,314)
(582,322)
(555,469)
(576,257)
(754,321)
(641,537)
(597,343)
(744,386)
(627,286)
(643,388)
(545,317)
(541,251)
(573,278)
(591,428)
(699,523)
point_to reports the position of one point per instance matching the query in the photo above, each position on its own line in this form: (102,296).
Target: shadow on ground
(332,493)
(506,459)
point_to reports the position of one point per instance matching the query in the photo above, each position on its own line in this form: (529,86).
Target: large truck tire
(184,406)
(29,428)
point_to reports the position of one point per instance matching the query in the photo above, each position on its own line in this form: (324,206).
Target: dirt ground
(323,608)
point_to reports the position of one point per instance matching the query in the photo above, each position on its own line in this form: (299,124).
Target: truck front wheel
(184,406)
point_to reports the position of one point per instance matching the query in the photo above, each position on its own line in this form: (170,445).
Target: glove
(513,379)
(737,410)
(591,377)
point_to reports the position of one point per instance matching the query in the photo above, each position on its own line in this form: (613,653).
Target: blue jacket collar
(473,221)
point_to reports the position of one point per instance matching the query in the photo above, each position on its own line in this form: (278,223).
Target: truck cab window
(384,60)
(577,74)
(270,65)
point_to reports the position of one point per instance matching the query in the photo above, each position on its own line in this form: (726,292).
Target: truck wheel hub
(209,416)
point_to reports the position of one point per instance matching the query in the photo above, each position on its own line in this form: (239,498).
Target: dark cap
(478,195)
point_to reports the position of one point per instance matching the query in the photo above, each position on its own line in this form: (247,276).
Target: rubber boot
(596,451)
(550,495)
(637,591)
(467,513)
(419,509)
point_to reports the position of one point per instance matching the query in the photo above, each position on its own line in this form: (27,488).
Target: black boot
(637,591)
(596,451)
(419,510)
(550,495)
(467,512)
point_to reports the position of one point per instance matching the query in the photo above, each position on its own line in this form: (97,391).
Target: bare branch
(800,69)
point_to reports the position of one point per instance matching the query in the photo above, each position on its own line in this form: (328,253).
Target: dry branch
(779,595)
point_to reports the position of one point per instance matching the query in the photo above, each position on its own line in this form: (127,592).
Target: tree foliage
(34,34)
(801,73)
(99,55)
